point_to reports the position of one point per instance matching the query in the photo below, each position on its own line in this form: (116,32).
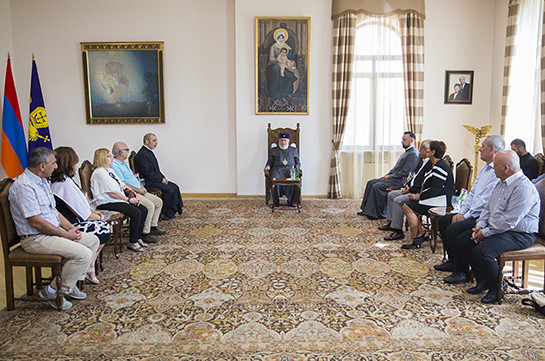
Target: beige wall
(459,36)
(213,142)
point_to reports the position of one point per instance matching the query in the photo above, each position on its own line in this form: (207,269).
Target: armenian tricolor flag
(13,150)
(38,127)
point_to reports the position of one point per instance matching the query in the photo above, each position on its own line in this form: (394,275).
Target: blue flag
(38,128)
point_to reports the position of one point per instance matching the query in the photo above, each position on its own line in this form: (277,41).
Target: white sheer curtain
(523,118)
(376,118)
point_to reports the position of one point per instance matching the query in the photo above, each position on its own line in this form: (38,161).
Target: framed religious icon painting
(282,51)
(459,86)
(123,82)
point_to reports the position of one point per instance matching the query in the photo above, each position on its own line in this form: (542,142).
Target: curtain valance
(377,7)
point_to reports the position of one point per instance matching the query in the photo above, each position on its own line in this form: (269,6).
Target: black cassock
(276,160)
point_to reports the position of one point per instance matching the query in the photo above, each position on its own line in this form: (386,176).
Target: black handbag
(537,301)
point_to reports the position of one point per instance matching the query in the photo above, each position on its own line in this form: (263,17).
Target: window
(376,115)
(523,104)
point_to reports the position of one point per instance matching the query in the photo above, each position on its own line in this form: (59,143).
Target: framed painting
(282,51)
(459,86)
(123,82)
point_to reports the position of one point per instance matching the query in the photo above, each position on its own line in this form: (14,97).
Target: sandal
(94,280)
(142,244)
(135,247)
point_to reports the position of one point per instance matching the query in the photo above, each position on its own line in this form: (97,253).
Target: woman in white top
(72,203)
(108,193)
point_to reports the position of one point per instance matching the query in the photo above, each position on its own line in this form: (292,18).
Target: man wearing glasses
(153,203)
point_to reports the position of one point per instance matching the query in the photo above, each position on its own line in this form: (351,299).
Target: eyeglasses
(126,149)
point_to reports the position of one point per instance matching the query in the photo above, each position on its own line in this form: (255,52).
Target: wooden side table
(435,213)
(288,182)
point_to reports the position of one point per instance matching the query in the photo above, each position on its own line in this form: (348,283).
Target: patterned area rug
(232,280)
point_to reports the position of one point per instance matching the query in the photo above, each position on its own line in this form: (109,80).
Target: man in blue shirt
(507,223)
(452,225)
(153,203)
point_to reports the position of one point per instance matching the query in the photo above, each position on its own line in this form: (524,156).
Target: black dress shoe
(417,242)
(371,217)
(386,227)
(479,288)
(445,267)
(491,297)
(360,213)
(148,239)
(457,277)
(421,239)
(165,218)
(157,232)
(410,246)
(395,235)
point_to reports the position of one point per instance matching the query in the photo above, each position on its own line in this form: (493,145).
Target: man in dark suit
(529,164)
(147,166)
(374,200)
(465,89)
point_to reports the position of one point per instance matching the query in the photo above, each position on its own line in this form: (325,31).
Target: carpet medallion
(231,280)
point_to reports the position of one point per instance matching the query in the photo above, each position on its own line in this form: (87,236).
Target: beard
(284,147)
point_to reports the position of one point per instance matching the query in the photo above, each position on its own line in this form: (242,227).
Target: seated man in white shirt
(508,222)
(43,230)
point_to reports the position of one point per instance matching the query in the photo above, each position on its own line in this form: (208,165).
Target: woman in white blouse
(72,203)
(108,193)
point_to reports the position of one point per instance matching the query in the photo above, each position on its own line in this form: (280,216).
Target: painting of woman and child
(282,52)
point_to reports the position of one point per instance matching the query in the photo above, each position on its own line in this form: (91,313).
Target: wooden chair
(449,161)
(115,219)
(15,256)
(272,141)
(155,191)
(464,171)
(541,162)
(519,282)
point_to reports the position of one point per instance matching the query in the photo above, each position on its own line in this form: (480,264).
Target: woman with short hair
(109,194)
(436,191)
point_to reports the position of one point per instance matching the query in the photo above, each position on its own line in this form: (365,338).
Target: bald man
(147,165)
(507,223)
(153,203)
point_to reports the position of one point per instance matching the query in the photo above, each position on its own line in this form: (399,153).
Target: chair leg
(29,286)
(117,239)
(10,303)
(38,278)
(101,261)
(516,271)
(525,272)
(501,292)
(57,274)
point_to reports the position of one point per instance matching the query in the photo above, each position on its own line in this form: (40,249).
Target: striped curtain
(344,28)
(514,6)
(412,42)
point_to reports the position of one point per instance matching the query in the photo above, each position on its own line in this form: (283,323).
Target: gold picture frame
(282,54)
(123,82)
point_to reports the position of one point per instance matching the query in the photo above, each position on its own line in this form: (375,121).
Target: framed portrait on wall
(123,82)
(459,86)
(282,51)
